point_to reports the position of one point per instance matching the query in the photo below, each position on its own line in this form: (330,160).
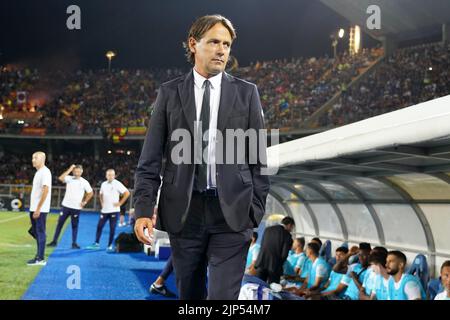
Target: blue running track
(104,276)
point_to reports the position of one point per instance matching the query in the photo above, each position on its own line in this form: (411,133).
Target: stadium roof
(405,19)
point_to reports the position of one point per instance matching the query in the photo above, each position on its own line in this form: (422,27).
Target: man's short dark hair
(342,249)
(316,239)
(201,26)
(301,241)
(314,247)
(287,221)
(255,235)
(380,249)
(445,264)
(365,246)
(399,255)
(378,257)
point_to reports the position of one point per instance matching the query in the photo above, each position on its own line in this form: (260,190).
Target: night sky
(149,33)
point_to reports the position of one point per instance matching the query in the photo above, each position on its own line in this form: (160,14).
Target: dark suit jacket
(242,188)
(275,246)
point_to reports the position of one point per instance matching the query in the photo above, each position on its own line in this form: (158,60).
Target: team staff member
(78,193)
(110,192)
(40,205)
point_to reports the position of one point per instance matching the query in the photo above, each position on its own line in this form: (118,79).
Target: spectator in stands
(275,246)
(445,278)
(402,286)
(252,255)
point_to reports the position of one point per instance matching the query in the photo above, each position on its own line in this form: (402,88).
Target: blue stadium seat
(332,261)
(419,268)
(434,287)
(325,251)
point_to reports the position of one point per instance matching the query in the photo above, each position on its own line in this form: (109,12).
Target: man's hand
(353,250)
(116,204)
(72,167)
(36,214)
(82,204)
(139,227)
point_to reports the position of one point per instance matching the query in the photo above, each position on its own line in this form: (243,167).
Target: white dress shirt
(214,103)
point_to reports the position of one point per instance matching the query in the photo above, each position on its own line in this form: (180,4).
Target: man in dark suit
(208,205)
(275,246)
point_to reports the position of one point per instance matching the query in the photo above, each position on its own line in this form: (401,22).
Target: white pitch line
(14,218)
(12,245)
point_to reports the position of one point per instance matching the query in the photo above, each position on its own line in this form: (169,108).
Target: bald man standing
(111,191)
(40,205)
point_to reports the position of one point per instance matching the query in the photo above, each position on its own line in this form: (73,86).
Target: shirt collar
(216,81)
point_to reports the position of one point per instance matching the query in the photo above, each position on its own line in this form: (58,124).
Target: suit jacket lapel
(187,97)
(227,98)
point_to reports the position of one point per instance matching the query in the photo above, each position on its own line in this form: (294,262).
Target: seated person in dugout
(252,255)
(334,289)
(318,274)
(445,279)
(402,286)
(351,282)
(303,271)
(294,263)
(357,273)
(379,291)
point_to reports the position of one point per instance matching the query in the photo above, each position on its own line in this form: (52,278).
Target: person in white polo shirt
(111,191)
(40,205)
(78,194)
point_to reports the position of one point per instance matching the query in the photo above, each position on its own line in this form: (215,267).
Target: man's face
(340,256)
(393,265)
(295,245)
(37,160)
(77,172)
(110,175)
(364,257)
(375,268)
(308,253)
(445,278)
(212,50)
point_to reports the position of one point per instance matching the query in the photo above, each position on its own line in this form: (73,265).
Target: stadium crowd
(91,102)
(408,77)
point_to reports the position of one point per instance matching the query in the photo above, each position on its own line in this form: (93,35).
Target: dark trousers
(168,269)
(74,219)
(38,227)
(207,245)
(268,276)
(112,217)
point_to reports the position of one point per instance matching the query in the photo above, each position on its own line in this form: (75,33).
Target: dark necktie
(202,168)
